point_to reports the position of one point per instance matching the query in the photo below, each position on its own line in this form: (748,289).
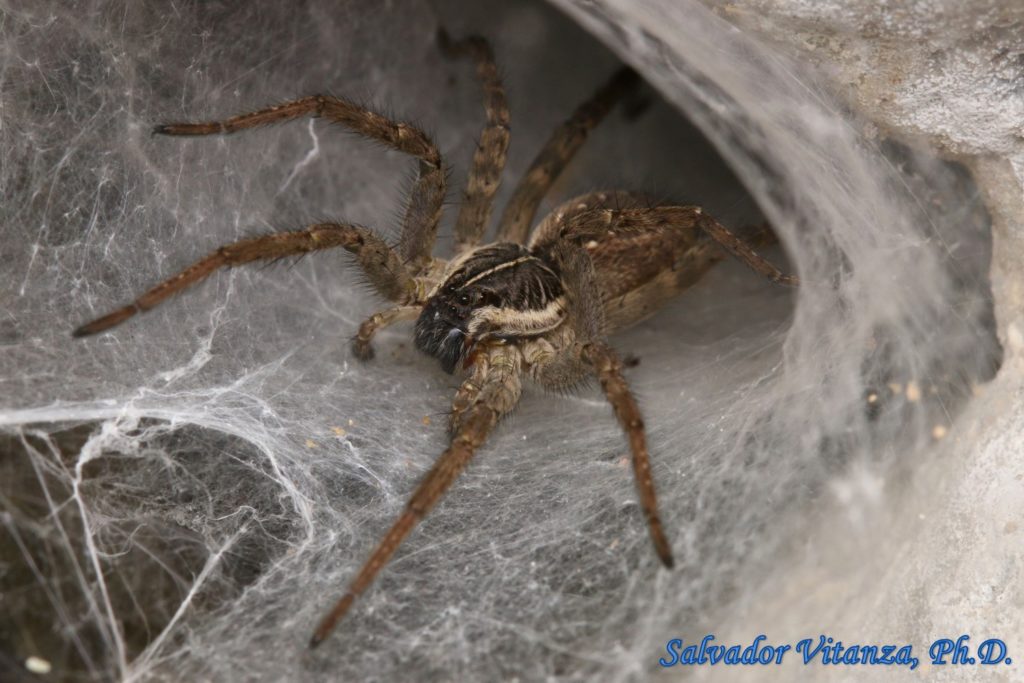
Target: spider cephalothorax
(500,291)
(538,305)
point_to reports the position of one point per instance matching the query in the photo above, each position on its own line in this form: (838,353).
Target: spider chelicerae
(538,304)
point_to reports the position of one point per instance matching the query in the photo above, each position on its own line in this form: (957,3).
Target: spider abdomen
(643,255)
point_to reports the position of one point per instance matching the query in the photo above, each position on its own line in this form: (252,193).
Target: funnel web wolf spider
(538,304)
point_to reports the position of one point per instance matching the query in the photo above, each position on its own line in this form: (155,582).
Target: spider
(538,304)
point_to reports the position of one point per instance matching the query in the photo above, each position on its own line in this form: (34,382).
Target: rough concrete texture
(948,71)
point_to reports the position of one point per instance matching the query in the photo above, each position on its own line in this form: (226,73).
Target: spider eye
(464,299)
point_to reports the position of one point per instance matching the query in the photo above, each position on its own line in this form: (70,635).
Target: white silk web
(183,497)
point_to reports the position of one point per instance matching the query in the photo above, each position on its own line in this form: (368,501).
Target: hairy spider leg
(362,345)
(383,267)
(500,390)
(608,369)
(492,147)
(594,352)
(426,198)
(556,154)
(742,250)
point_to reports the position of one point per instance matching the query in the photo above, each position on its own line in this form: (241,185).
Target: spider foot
(190,129)
(446,44)
(464,47)
(636,105)
(363,349)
